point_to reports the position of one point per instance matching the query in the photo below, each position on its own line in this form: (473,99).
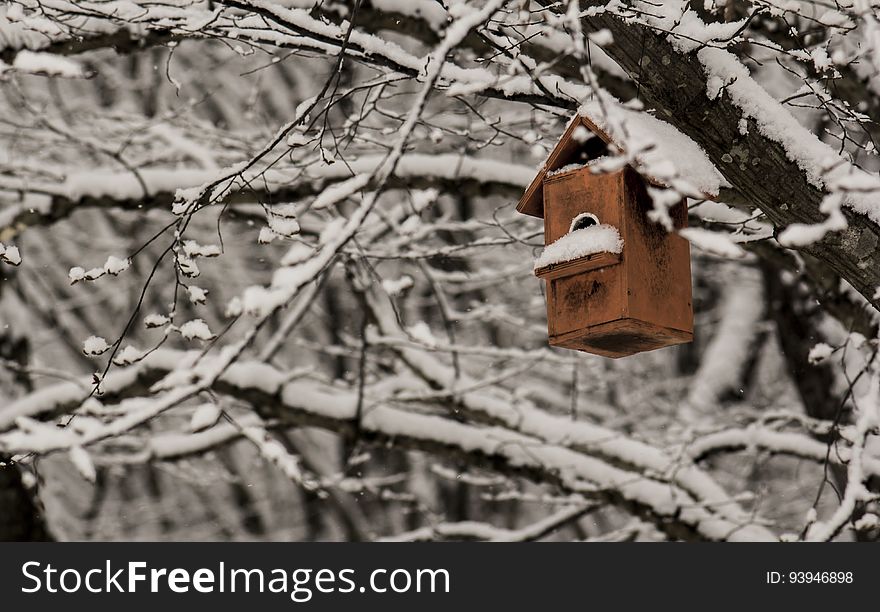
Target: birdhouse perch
(617,283)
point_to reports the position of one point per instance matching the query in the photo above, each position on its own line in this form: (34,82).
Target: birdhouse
(617,282)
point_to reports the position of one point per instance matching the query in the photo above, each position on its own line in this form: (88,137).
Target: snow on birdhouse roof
(659,152)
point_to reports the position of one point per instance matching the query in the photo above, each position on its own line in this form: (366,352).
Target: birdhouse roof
(665,157)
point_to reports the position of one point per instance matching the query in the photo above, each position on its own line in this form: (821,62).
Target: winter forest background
(262,275)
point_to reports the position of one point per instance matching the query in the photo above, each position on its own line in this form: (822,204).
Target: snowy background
(262,276)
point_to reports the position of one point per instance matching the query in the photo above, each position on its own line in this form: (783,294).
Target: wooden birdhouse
(617,282)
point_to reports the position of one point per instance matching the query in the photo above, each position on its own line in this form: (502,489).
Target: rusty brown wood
(608,304)
(583,264)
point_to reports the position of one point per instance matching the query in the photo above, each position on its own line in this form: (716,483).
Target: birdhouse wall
(657,262)
(597,295)
(580,191)
(617,306)
(584,299)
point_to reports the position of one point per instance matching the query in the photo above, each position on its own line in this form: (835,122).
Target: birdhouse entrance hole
(583,221)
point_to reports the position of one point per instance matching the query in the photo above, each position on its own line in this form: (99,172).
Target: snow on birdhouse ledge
(579,244)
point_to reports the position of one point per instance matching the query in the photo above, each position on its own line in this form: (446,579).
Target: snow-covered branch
(307,404)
